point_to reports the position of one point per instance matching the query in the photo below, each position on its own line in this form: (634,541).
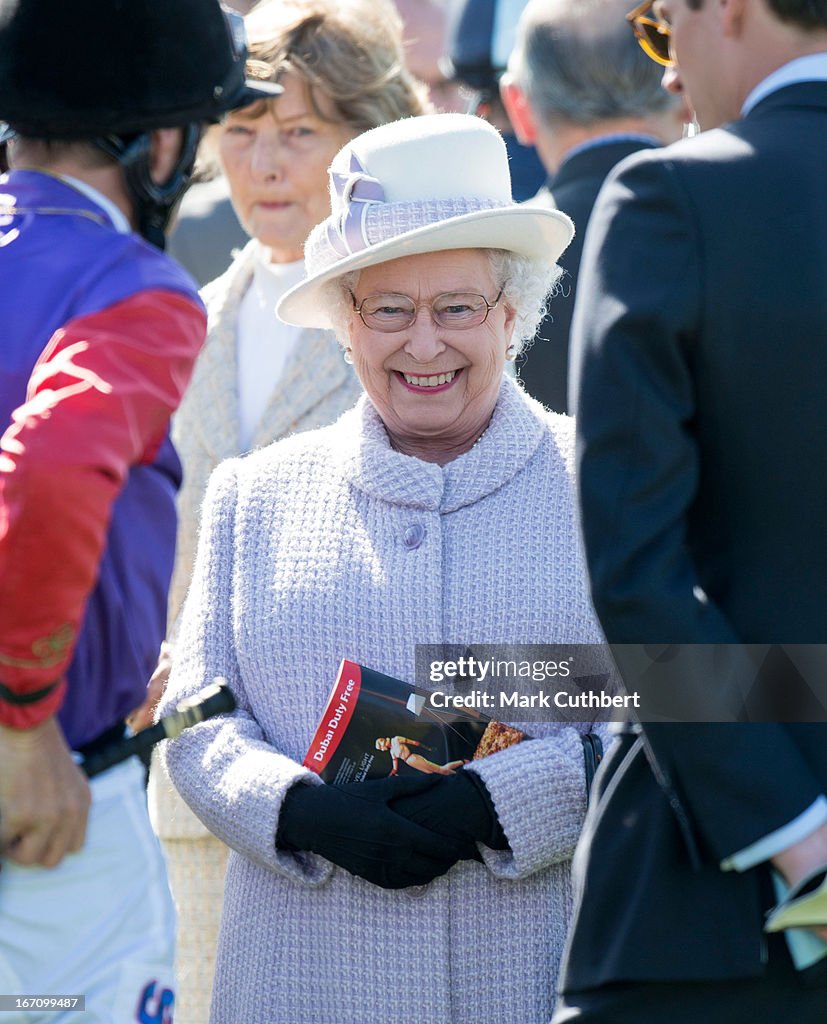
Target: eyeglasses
(455,311)
(653,34)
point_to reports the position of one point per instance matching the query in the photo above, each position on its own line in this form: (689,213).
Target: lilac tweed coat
(302,561)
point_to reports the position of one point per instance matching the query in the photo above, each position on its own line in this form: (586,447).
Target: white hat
(423,184)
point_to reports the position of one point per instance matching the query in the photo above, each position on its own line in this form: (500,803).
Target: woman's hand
(458,806)
(357,827)
(144,716)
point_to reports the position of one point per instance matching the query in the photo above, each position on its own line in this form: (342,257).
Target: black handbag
(592,756)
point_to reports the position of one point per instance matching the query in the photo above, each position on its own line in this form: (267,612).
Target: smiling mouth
(433,380)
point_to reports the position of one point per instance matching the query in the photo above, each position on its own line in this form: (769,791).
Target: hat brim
(255,90)
(527,231)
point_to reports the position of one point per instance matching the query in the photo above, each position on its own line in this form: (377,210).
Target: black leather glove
(459,807)
(357,827)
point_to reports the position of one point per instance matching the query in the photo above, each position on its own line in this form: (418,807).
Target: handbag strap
(592,756)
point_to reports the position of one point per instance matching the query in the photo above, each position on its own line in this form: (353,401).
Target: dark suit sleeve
(639,309)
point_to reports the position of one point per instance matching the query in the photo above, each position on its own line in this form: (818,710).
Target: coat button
(416,892)
(413,536)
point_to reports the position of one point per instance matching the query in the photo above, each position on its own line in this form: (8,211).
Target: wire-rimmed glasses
(389,312)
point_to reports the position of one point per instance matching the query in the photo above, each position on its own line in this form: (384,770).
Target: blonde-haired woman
(340,63)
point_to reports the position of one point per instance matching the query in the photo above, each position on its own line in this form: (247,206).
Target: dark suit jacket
(700,375)
(544,367)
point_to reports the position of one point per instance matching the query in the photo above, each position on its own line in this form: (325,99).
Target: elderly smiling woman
(439,510)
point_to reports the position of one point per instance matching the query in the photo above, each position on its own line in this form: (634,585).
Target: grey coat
(303,561)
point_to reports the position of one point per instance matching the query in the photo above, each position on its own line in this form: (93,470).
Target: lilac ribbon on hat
(355,191)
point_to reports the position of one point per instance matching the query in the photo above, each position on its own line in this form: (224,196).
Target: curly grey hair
(527,285)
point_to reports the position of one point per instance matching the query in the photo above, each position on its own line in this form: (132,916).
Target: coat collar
(35,190)
(597,160)
(513,435)
(313,370)
(799,95)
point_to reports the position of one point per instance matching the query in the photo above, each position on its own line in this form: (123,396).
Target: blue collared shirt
(812,68)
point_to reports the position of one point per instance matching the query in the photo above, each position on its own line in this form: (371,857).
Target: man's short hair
(578,61)
(808,14)
(47,151)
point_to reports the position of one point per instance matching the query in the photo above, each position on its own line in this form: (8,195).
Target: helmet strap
(154,203)
(7,133)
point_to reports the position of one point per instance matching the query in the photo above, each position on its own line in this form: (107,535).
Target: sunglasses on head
(652,33)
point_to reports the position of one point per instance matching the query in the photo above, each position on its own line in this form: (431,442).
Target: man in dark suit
(580,89)
(699,375)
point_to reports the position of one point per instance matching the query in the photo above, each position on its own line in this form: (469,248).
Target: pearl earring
(347,355)
(511,353)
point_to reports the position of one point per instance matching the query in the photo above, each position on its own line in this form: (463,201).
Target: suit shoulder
(710,152)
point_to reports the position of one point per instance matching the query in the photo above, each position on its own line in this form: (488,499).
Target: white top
(812,68)
(115,214)
(263,341)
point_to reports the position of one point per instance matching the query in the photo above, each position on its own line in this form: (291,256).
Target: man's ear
(164,150)
(732,13)
(519,111)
